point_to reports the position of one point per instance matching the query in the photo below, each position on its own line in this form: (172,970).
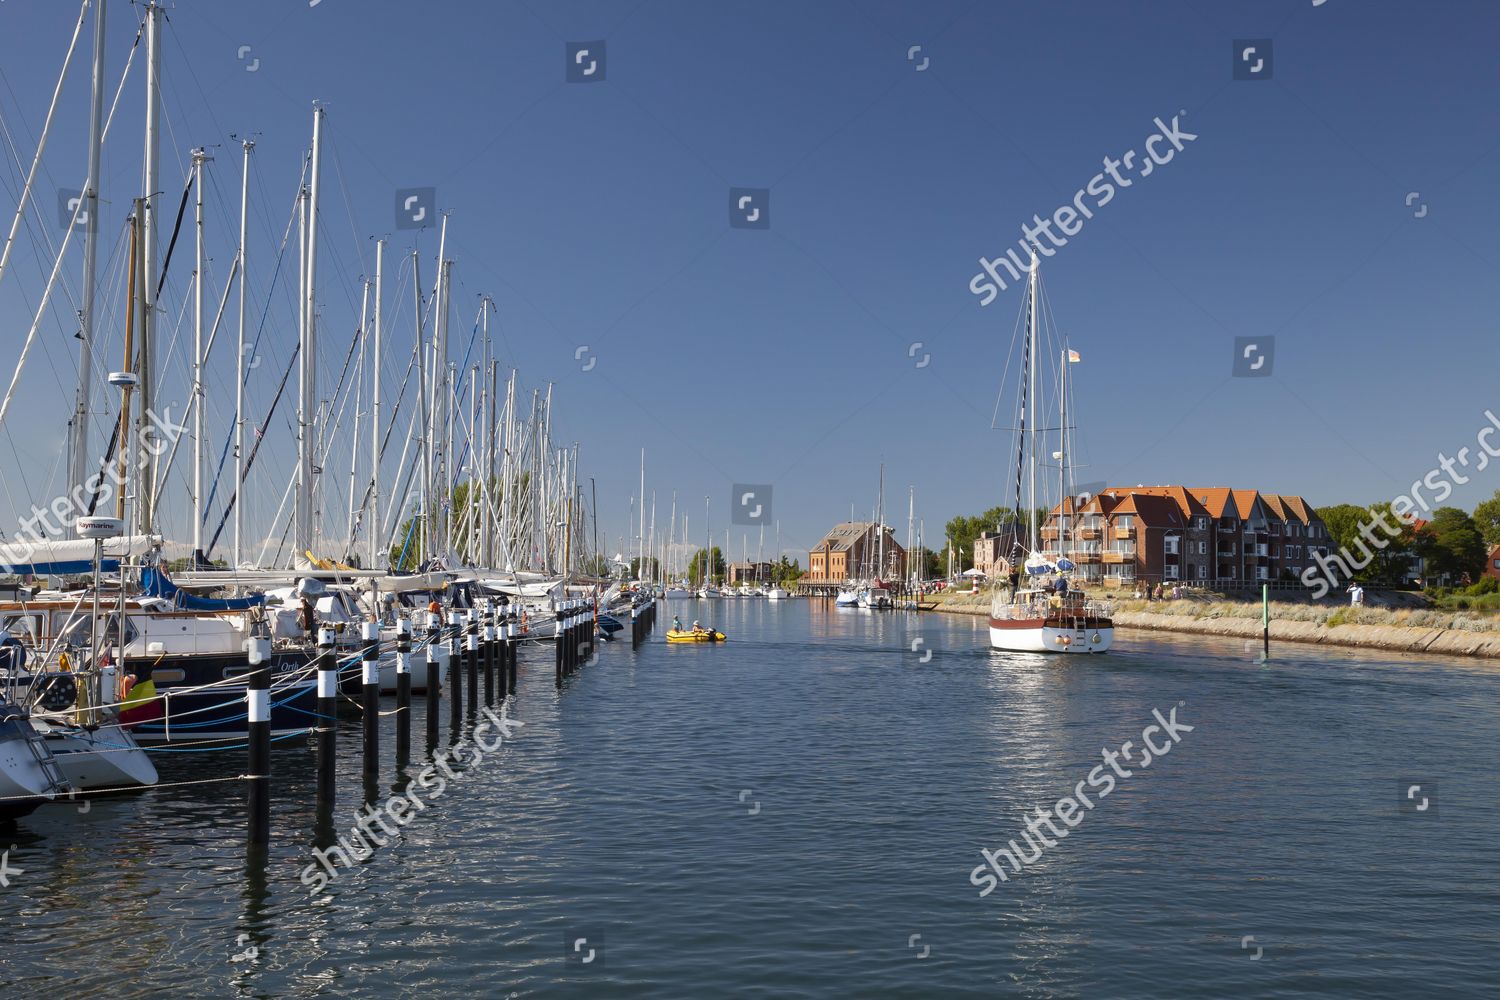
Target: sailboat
(1036,618)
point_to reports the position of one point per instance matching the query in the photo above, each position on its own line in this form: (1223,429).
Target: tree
(715,566)
(652,567)
(962,531)
(786,571)
(1390,555)
(1487,518)
(1452,545)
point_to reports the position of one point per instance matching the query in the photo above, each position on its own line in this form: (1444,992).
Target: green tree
(715,566)
(786,571)
(1452,545)
(962,531)
(1487,518)
(651,564)
(1390,555)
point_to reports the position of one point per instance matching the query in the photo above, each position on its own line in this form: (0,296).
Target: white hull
(1042,639)
(97,760)
(21,774)
(776,594)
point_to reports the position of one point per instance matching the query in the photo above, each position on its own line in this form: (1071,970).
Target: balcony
(1228,529)
(1049,531)
(1228,553)
(1084,555)
(1116,556)
(1125,532)
(1093,532)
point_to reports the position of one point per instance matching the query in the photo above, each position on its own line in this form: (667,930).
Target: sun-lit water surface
(796,813)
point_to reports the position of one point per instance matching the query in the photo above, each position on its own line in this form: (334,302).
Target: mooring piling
(509,651)
(455,666)
(487,651)
(403,690)
(471,656)
(437,659)
(328,707)
(369,633)
(258,698)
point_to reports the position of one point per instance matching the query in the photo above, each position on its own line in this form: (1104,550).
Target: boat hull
(21,774)
(182,710)
(675,636)
(102,758)
(1041,635)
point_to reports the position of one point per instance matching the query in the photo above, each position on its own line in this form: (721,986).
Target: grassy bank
(1467,632)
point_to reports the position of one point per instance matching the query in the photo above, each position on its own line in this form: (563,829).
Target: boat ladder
(37,740)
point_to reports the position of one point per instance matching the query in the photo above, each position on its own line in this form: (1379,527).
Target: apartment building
(1129,536)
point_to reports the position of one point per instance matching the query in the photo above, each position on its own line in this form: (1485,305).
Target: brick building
(854,550)
(1126,536)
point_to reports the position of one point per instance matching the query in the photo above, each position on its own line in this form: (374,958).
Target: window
(1203,548)
(1202,572)
(1170,571)
(1172,546)
(1201,523)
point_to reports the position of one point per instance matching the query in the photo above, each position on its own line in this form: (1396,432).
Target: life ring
(58,691)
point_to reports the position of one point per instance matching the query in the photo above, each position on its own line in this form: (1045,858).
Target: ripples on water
(777,817)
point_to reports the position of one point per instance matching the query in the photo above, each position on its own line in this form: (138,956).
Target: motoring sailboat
(1037,617)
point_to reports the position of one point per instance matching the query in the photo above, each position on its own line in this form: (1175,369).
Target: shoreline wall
(1397,638)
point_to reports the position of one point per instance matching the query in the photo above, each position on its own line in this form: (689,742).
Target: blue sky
(596,215)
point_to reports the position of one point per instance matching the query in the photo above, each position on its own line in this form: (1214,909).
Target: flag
(1073,357)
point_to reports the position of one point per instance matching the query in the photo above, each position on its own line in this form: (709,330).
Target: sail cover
(69,556)
(155,583)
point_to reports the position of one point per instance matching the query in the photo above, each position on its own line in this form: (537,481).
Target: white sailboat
(1038,618)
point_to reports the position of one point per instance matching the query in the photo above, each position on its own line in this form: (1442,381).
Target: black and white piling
(437,659)
(508,652)
(369,633)
(328,706)
(258,699)
(403,690)
(471,656)
(487,652)
(455,666)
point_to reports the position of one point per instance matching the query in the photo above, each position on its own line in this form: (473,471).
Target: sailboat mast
(1031,318)
(200,425)
(308,389)
(79,449)
(238,499)
(374,539)
(124,444)
(1062,458)
(146,505)
(424,403)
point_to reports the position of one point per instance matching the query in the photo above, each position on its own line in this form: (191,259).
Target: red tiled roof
(1154,511)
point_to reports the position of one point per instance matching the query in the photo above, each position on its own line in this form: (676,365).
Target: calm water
(777,817)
